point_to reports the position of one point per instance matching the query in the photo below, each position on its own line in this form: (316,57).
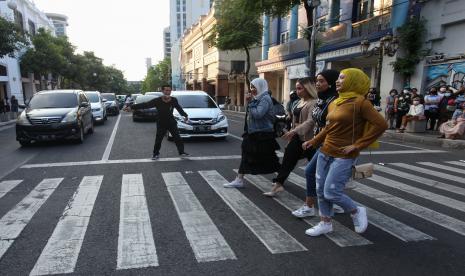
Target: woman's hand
(288,135)
(306,145)
(349,149)
(248,97)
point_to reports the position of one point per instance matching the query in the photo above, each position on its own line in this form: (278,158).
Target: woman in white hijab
(259,144)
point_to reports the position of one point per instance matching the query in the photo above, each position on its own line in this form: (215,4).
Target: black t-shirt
(165,109)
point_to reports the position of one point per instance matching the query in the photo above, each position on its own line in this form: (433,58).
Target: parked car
(154,93)
(111,104)
(98,106)
(134,96)
(148,113)
(54,115)
(205,117)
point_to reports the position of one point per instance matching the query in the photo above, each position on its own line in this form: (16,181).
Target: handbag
(363,170)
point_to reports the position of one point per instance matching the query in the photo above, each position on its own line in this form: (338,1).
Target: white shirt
(416,110)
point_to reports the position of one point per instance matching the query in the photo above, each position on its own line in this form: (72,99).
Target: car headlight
(70,117)
(96,109)
(220,118)
(22,119)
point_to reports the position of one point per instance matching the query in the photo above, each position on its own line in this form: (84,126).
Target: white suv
(99,112)
(205,117)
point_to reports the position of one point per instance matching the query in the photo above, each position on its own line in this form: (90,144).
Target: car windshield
(109,97)
(145,98)
(53,100)
(93,97)
(154,93)
(195,101)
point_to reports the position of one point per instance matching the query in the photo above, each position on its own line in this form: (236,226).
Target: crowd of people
(332,120)
(442,109)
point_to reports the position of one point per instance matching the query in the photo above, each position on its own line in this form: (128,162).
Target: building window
(3,71)
(285,37)
(32,27)
(19,20)
(237,66)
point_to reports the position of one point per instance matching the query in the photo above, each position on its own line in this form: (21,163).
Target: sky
(123,33)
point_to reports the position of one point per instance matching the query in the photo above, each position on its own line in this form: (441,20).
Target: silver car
(99,112)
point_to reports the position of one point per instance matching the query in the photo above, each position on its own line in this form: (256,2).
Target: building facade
(60,22)
(29,19)
(183,13)
(167,43)
(219,73)
(342,26)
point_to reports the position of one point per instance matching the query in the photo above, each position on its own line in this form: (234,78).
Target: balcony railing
(371,25)
(291,47)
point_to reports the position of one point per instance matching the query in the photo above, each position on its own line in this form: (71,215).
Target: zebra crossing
(137,245)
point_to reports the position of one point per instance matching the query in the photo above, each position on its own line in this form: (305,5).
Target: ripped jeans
(332,174)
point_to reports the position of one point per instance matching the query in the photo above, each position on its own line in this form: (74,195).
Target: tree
(157,76)
(281,8)
(237,28)
(11,38)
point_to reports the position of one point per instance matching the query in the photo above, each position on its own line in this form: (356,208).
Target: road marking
(14,222)
(378,219)
(62,250)
(341,235)
(446,168)
(402,145)
(237,137)
(429,172)
(458,163)
(271,234)
(204,237)
(7,127)
(8,185)
(421,180)
(107,152)
(443,200)
(442,220)
(136,246)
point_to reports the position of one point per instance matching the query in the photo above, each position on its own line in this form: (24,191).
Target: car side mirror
(22,106)
(221,106)
(84,104)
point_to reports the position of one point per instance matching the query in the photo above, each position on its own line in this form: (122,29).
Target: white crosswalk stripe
(442,167)
(62,250)
(13,223)
(273,236)
(8,185)
(136,246)
(458,163)
(429,172)
(380,220)
(204,237)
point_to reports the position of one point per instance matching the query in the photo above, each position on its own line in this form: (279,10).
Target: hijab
(356,84)
(261,85)
(331,78)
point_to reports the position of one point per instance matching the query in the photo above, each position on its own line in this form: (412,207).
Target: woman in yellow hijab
(343,138)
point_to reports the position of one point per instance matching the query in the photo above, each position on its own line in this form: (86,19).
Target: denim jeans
(332,174)
(310,172)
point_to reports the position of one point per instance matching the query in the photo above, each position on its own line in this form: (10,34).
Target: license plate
(202,128)
(47,137)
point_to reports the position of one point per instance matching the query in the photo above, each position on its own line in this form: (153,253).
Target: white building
(183,13)
(148,63)
(60,22)
(29,18)
(167,42)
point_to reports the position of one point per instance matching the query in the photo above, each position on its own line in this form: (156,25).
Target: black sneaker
(155,157)
(184,154)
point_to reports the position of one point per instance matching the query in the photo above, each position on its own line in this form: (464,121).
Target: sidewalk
(7,123)
(427,138)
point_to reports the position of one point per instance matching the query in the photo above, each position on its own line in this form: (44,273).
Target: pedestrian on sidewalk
(455,128)
(390,114)
(353,124)
(432,107)
(259,144)
(14,104)
(166,121)
(326,88)
(416,113)
(401,107)
(302,130)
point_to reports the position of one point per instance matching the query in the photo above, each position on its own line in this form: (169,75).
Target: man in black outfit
(166,122)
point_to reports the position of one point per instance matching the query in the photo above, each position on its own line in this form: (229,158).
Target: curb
(432,141)
(10,122)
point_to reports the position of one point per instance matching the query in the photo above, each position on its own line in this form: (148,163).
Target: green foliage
(157,76)
(411,37)
(11,38)
(272,7)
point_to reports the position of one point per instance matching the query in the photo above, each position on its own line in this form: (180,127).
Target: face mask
(416,102)
(447,94)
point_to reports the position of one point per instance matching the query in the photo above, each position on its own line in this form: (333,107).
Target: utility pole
(313,4)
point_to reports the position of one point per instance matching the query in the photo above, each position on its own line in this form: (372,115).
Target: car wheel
(117,112)
(221,138)
(91,129)
(24,143)
(80,139)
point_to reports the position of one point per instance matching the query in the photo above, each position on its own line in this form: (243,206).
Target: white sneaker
(320,229)
(236,183)
(338,209)
(304,211)
(360,220)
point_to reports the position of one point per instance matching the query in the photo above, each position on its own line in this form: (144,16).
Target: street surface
(103,207)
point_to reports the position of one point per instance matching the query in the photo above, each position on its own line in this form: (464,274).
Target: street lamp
(388,45)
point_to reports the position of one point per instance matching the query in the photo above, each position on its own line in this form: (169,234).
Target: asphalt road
(104,208)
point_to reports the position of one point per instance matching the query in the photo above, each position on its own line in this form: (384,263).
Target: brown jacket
(340,132)
(304,125)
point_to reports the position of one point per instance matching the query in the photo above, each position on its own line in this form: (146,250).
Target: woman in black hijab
(326,87)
